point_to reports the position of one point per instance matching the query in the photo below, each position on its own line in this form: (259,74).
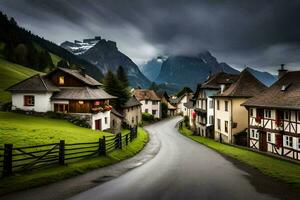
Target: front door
(262,141)
(98,124)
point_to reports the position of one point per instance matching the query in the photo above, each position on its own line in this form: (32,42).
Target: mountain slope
(265,77)
(17,38)
(11,73)
(106,56)
(152,68)
(190,70)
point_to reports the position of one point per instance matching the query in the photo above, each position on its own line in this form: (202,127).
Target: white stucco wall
(151,107)
(101,115)
(42,102)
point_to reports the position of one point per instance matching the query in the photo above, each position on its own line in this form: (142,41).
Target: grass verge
(54,174)
(279,169)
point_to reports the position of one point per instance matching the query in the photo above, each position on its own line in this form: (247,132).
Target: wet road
(184,169)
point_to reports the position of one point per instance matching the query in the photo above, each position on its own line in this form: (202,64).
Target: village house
(150,101)
(132,112)
(166,100)
(186,97)
(230,117)
(274,117)
(116,120)
(204,103)
(64,91)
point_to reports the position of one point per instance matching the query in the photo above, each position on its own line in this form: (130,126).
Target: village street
(184,169)
(170,167)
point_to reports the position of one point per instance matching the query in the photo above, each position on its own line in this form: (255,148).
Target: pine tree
(114,86)
(122,76)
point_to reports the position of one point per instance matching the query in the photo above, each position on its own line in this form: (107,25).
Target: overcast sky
(261,34)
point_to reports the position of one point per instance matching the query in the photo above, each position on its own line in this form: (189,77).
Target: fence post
(120,140)
(127,139)
(7,161)
(102,146)
(131,134)
(116,140)
(61,154)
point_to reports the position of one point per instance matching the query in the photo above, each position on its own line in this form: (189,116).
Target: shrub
(147,117)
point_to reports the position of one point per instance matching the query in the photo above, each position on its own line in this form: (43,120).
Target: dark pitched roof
(285,93)
(79,75)
(82,93)
(216,80)
(115,112)
(189,105)
(132,102)
(36,83)
(145,94)
(246,86)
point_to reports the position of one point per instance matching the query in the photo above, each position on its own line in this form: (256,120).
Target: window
(146,102)
(219,124)
(105,120)
(153,112)
(128,110)
(269,137)
(146,110)
(61,80)
(288,141)
(154,102)
(218,105)
(226,126)
(286,115)
(267,113)
(211,104)
(211,119)
(298,143)
(132,119)
(28,100)
(298,115)
(113,123)
(226,105)
(251,112)
(253,133)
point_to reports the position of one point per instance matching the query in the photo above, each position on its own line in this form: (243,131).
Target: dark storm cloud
(256,33)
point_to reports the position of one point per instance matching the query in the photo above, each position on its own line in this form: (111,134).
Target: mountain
(265,77)
(189,70)
(22,47)
(152,68)
(106,56)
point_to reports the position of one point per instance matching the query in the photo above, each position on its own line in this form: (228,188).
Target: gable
(69,81)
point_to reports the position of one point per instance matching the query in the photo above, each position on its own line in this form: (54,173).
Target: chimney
(282,71)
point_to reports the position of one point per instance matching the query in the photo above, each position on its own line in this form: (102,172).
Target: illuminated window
(61,80)
(28,100)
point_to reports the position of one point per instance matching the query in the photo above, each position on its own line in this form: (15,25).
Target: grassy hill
(10,74)
(26,130)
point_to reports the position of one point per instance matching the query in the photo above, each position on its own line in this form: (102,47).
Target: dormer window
(61,80)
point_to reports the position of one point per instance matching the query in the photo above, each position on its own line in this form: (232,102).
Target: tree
(113,86)
(122,76)
(62,63)
(164,110)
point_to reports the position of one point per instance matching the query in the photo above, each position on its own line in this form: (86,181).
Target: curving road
(184,169)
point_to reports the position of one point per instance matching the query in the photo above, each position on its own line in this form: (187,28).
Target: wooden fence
(20,159)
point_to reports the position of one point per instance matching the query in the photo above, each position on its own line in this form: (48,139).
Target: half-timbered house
(274,117)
